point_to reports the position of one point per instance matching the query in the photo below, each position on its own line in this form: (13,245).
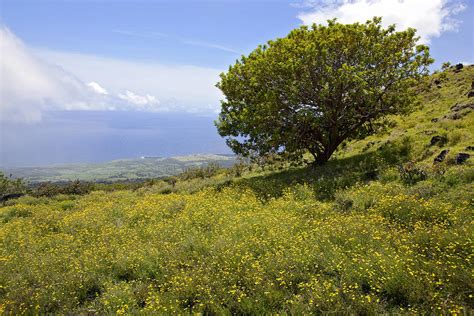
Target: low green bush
(207,171)
(8,185)
(410,173)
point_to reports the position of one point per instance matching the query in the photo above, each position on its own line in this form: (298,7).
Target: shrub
(207,171)
(76,187)
(237,169)
(8,185)
(445,66)
(410,173)
(396,151)
(47,189)
(50,189)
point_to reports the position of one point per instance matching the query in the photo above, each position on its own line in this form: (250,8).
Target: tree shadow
(336,174)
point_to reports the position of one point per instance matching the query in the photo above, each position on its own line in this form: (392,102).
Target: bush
(207,171)
(77,187)
(237,169)
(49,189)
(445,66)
(410,173)
(8,185)
(396,151)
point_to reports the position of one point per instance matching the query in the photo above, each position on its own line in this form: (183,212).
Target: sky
(95,80)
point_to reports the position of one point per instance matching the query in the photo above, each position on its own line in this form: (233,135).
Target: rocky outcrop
(470,94)
(461,158)
(438,140)
(458,67)
(457,111)
(442,155)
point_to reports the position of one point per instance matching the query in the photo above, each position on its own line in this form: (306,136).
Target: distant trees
(202,172)
(317,87)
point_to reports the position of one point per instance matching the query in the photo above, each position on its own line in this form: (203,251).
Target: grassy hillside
(379,229)
(445,111)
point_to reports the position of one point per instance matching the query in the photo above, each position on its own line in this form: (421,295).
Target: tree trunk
(321,160)
(323,157)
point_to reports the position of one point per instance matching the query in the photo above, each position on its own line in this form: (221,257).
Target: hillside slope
(380,229)
(445,111)
(444,121)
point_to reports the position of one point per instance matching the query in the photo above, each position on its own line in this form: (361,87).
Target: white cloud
(146,101)
(36,80)
(97,88)
(182,88)
(430,17)
(28,85)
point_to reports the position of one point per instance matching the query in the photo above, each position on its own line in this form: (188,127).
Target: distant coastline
(144,167)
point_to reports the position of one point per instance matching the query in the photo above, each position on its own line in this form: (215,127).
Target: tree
(445,66)
(319,86)
(11,188)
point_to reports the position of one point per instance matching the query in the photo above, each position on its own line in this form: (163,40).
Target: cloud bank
(430,17)
(33,81)
(179,88)
(28,85)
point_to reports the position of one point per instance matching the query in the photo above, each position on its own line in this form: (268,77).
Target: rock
(441,156)
(458,67)
(459,110)
(461,158)
(471,148)
(461,106)
(440,140)
(455,116)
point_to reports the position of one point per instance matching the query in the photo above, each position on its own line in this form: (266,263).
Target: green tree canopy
(319,86)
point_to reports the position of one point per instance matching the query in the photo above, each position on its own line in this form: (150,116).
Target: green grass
(419,127)
(365,234)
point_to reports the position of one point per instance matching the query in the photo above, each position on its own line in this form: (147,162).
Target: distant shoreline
(117,170)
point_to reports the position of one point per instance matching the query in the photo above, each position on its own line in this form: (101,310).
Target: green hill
(119,170)
(381,228)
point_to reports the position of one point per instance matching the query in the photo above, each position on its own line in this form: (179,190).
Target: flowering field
(228,252)
(381,229)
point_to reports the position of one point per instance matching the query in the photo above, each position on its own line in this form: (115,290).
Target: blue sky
(182,32)
(129,60)
(157,30)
